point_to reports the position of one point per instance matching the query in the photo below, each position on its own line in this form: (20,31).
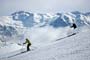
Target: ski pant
(28,49)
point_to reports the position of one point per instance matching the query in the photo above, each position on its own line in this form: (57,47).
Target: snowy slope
(76,47)
(8,49)
(43,31)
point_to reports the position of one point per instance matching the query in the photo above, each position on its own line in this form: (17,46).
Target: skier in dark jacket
(28,44)
(74,26)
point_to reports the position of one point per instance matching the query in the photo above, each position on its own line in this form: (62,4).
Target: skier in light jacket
(28,44)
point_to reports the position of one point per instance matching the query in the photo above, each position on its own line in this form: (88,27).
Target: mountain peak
(76,12)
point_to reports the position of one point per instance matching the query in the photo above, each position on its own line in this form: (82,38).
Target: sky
(43,6)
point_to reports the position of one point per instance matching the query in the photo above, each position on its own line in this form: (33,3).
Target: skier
(74,30)
(74,26)
(28,44)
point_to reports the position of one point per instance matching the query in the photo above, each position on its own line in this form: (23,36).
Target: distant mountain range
(56,20)
(14,24)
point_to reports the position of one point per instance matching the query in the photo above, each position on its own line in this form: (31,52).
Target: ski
(21,53)
(66,36)
(17,54)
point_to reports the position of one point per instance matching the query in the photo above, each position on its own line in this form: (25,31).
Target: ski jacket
(74,26)
(27,41)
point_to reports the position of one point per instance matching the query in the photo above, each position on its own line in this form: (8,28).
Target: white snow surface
(76,47)
(9,48)
(44,44)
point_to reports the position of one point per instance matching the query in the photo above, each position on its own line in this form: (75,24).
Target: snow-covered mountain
(42,30)
(9,28)
(22,21)
(56,20)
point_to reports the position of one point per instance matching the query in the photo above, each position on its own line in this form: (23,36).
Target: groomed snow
(9,49)
(76,47)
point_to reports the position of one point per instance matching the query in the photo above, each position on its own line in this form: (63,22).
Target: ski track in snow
(76,47)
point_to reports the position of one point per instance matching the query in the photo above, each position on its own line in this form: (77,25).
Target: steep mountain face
(7,32)
(79,18)
(57,20)
(26,18)
(9,28)
(21,20)
(31,19)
